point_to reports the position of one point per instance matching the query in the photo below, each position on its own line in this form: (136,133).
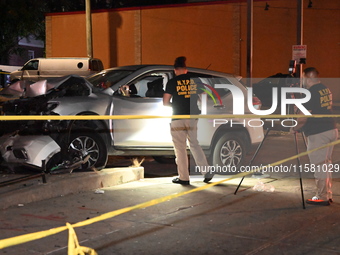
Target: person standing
(184,93)
(319,132)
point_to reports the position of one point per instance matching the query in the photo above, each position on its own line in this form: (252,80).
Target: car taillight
(257,103)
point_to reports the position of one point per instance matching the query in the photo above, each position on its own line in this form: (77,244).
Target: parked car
(43,68)
(104,94)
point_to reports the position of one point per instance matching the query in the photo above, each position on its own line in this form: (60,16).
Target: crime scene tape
(73,242)
(119,117)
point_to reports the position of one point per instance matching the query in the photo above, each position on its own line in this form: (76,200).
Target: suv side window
(151,84)
(210,82)
(221,80)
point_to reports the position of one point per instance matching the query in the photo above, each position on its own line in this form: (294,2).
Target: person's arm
(166,99)
(300,123)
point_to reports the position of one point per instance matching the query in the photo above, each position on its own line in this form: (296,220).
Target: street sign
(300,53)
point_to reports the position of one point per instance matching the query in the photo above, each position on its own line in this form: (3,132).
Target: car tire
(77,147)
(229,153)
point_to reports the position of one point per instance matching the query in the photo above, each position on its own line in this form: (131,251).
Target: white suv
(225,141)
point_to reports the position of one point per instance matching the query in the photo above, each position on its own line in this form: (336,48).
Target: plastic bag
(260,186)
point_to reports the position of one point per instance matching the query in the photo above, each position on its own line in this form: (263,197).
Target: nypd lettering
(186,88)
(325,98)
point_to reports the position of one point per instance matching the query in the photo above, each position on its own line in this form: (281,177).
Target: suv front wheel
(79,146)
(88,144)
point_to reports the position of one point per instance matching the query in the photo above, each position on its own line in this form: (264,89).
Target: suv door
(144,132)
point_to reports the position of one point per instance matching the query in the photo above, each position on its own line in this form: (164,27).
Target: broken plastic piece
(260,186)
(67,166)
(99,191)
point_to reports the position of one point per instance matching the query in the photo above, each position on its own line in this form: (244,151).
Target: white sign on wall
(299,53)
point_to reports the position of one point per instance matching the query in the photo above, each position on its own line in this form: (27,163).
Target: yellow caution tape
(30,237)
(73,241)
(73,245)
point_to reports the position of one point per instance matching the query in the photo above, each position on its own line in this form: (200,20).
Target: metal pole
(254,156)
(299,167)
(249,42)
(299,35)
(88,29)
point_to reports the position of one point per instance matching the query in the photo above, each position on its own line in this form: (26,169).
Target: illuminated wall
(210,35)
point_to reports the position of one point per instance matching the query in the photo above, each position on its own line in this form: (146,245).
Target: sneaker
(316,201)
(330,200)
(179,181)
(208,177)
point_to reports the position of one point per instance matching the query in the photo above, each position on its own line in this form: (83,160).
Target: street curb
(62,185)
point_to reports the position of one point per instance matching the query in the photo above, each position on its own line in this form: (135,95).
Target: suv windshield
(106,79)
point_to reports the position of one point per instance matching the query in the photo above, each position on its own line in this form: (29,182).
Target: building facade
(31,48)
(212,35)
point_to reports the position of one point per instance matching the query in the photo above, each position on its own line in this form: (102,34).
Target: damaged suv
(129,90)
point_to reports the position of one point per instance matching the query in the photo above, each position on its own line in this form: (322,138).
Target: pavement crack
(184,208)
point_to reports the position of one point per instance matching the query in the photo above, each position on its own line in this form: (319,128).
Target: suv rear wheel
(229,153)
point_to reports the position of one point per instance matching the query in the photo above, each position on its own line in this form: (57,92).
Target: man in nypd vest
(319,132)
(184,93)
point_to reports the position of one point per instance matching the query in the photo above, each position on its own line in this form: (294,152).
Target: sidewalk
(63,184)
(211,221)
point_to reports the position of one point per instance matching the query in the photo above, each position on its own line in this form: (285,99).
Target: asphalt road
(211,221)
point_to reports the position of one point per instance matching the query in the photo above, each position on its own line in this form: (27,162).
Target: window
(106,79)
(152,84)
(210,81)
(30,54)
(96,65)
(31,65)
